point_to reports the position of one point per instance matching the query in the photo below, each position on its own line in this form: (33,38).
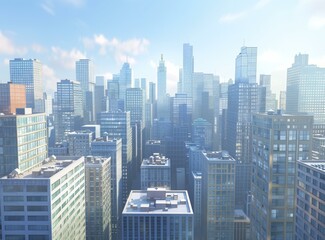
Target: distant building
(310,197)
(59,149)
(98,198)
(155,172)
(12,96)
(218,205)
(202,132)
(246,62)
(158,213)
(23,142)
(95,129)
(195,193)
(79,143)
(135,104)
(188,70)
(125,80)
(279,140)
(306,89)
(29,73)
(282,102)
(47,202)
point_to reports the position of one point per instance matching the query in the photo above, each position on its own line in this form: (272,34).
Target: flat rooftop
(316,164)
(158,201)
(156,160)
(47,169)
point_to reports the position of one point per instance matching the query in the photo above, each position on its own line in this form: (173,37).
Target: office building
(202,132)
(93,128)
(68,112)
(46,202)
(270,98)
(158,213)
(135,104)
(218,173)
(279,140)
(59,149)
(155,172)
(181,110)
(112,148)
(29,73)
(242,103)
(85,75)
(161,80)
(23,141)
(242,226)
(79,143)
(118,125)
(12,96)
(125,79)
(195,193)
(98,198)
(188,70)
(310,197)
(283,98)
(305,89)
(246,62)
(318,152)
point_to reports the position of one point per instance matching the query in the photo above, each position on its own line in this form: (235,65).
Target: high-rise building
(68,113)
(246,65)
(188,70)
(242,103)
(79,143)
(202,132)
(12,96)
(242,225)
(93,128)
(270,98)
(85,75)
(155,172)
(283,98)
(181,110)
(158,213)
(118,125)
(29,73)
(318,147)
(112,148)
(306,88)
(47,202)
(98,198)
(195,193)
(161,80)
(125,79)
(135,104)
(279,140)
(310,198)
(218,195)
(23,142)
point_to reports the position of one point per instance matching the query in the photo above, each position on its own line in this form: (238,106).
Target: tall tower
(68,113)
(188,69)
(161,79)
(278,142)
(12,96)
(85,75)
(125,80)
(246,65)
(306,89)
(135,103)
(29,73)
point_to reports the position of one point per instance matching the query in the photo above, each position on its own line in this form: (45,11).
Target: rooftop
(158,201)
(156,160)
(47,169)
(316,164)
(218,156)
(240,216)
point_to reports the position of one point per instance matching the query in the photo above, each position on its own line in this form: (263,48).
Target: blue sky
(58,32)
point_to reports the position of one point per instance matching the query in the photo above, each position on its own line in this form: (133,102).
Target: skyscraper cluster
(122,159)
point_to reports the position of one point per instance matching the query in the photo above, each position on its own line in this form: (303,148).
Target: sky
(110,32)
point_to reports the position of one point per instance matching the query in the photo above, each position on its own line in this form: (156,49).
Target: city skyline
(216,31)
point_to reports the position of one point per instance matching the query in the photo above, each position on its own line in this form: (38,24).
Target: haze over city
(112,32)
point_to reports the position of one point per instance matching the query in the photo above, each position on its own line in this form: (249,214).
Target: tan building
(12,96)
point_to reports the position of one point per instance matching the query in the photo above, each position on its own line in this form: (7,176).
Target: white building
(155,172)
(158,214)
(47,202)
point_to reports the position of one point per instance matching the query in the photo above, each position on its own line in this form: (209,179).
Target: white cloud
(273,58)
(231,17)
(122,50)
(9,48)
(37,48)
(48,7)
(66,59)
(49,78)
(316,22)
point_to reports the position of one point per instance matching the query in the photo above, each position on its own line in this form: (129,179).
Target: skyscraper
(23,142)
(12,96)
(306,89)
(279,140)
(79,143)
(125,80)
(85,75)
(161,80)
(135,104)
(98,198)
(29,73)
(68,113)
(246,65)
(188,69)
(218,195)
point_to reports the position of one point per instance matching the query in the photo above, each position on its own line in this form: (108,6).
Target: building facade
(246,62)
(79,143)
(12,96)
